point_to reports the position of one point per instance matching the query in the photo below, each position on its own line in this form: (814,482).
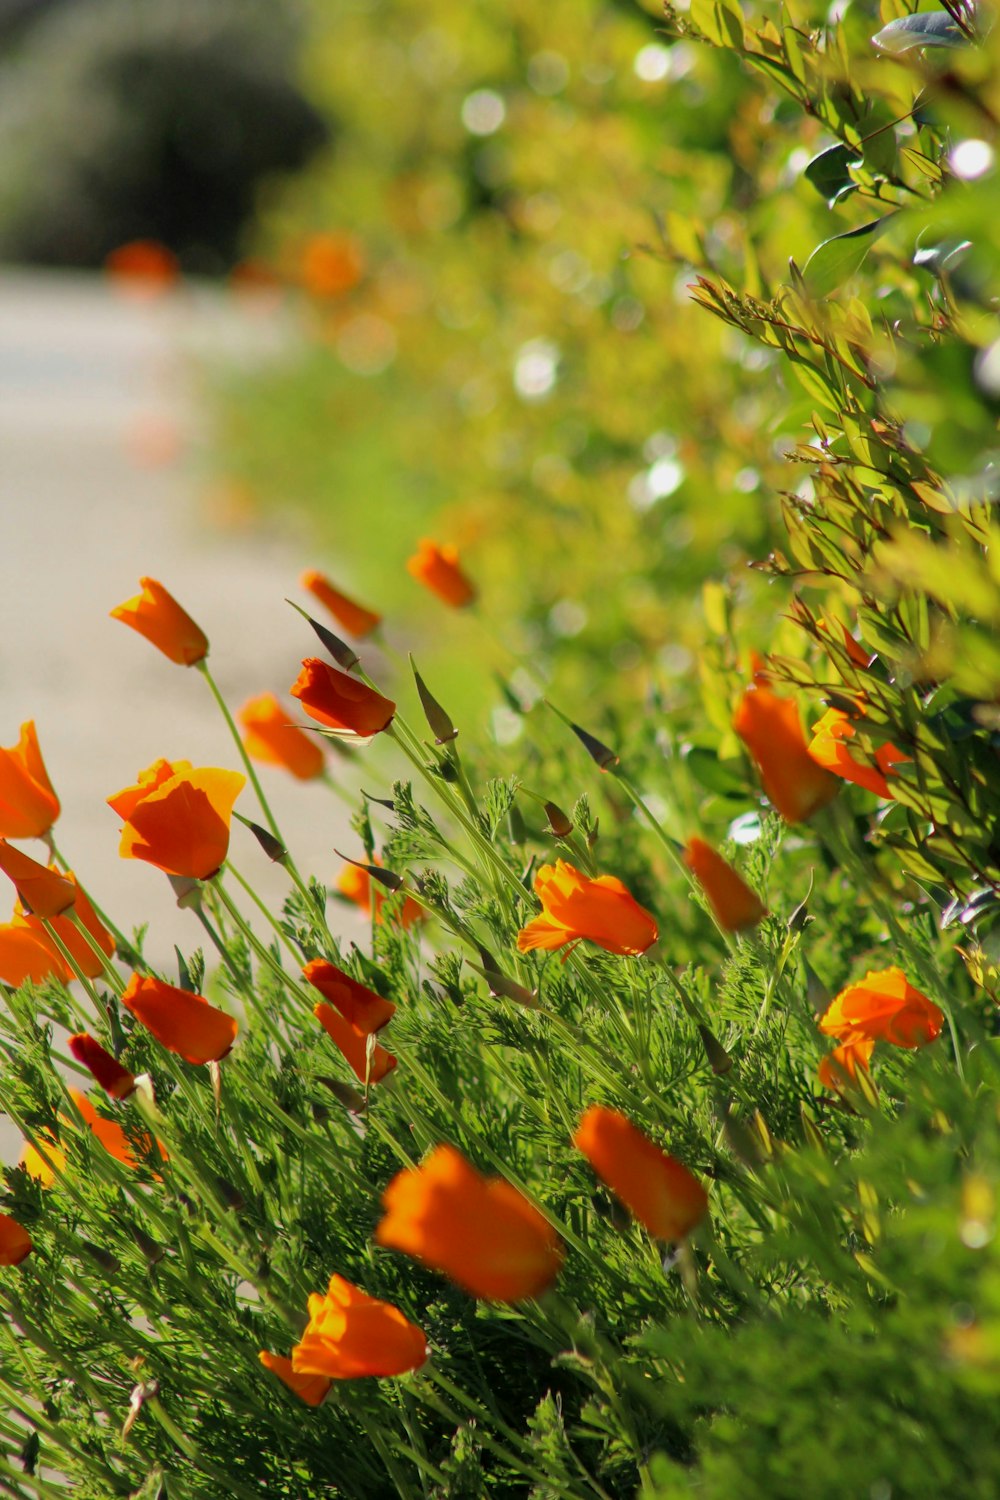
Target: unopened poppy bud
(388,878)
(817,994)
(500,985)
(30,1448)
(719,1059)
(230,1195)
(350,1098)
(811,1131)
(560,826)
(742,1142)
(109,1073)
(602,754)
(842,704)
(108,1263)
(385,802)
(516,830)
(272,847)
(344,655)
(437,718)
(800,917)
(153,1251)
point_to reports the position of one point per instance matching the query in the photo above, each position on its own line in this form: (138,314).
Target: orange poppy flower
(312,1389)
(354,1044)
(181,1021)
(110,1134)
(42,892)
(771,729)
(28,805)
(177,817)
(115,1080)
(356,884)
(156,614)
(70,935)
(349,708)
(25,954)
(479,1231)
(350,1334)
(843,1062)
(438,570)
(659,1191)
(575,907)
(15,1241)
(270,736)
(143,267)
(366,1011)
(829,748)
(886,1007)
(352,617)
(331,265)
(43,1168)
(734,905)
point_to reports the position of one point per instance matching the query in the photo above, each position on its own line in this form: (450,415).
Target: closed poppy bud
(438,570)
(181,1021)
(355,883)
(69,933)
(479,1231)
(350,1335)
(312,1389)
(734,905)
(342,704)
(354,1045)
(886,1007)
(43,1168)
(177,817)
(270,736)
(841,1065)
(830,747)
(42,892)
(156,614)
(574,907)
(115,1080)
(352,617)
(771,729)
(366,1011)
(15,1241)
(26,954)
(28,805)
(659,1191)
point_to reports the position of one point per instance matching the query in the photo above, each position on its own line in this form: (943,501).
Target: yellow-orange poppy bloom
(356,885)
(437,568)
(479,1231)
(28,805)
(177,817)
(734,905)
(350,616)
(269,735)
(106,1070)
(886,1007)
(842,1064)
(69,934)
(181,1021)
(312,1389)
(15,1241)
(366,1011)
(156,615)
(830,748)
(660,1192)
(343,704)
(42,892)
(574,907)
(350,1335)
(44,1169)
(353,1043)
(771,729)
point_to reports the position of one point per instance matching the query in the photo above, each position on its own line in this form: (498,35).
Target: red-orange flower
(438,570)
(340,703)
(354,1045)
(771,729)
(734,905)
(156,614)
(352,617)
(270,736)
(886,1007)
(177,817)
(105,1069)
(28,805)
(841,1065)
(356,884)
(366,1011)
(26,954)
(43,892)
(659,1191)
(15,1241)
(331,264)
(479,1231)
(181,1021)
(830,748)
(350,1334)
(312,1389)
(144,267)
(69,934)
(574,907)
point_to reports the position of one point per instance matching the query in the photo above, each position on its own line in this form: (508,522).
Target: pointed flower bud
(600,753)
(156,614)
(341,704)
(437,568)
(560,825)
(44,893)
(272,847)
(350,616)
(344,655)
(116,1081)
(734,905)
(440,723)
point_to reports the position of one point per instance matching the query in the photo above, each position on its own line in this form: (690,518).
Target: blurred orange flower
(331,265)
(479,1231)
(143,267)
(366,1011)
(25,954)
(438,570)
(350,1334)
(156,614)
(105,1069)
(15,1241)
(885,1007)
(341,703)
(771,729)
(181,1021)
(110,1134)
(28,805)
(843,1062)
(69,934)
(312,1389)
(177,817)
(661,1193)
(353,1043)
(353,618)
(42,892)
(574,908)
(734,905)
(355,884)
(270,736)
(829,747)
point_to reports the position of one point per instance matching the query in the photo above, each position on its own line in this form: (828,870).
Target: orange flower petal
(25,954)
(42,892)
(366,1011)
(340,702)
(356,885)
(110,1134)
(28,805)
(354,1044)
(156,615)
(351,1335)
(270,736)
(180,822)
(830,748)
(70,935)
(842,1064)
(437,569)
(734,905)
(661,1193)
(771,729)
(15,1241)
(181,1021)
(352,617)
(885,1007)
(601,911)
(332,264)
(312,1389)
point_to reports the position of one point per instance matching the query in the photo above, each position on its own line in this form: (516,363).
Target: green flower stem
(269,818)
(378,1441)
(265,956)
(71,963)
(111,974)
(261,906)
(120,939)
(226,1484)
(260,1013)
